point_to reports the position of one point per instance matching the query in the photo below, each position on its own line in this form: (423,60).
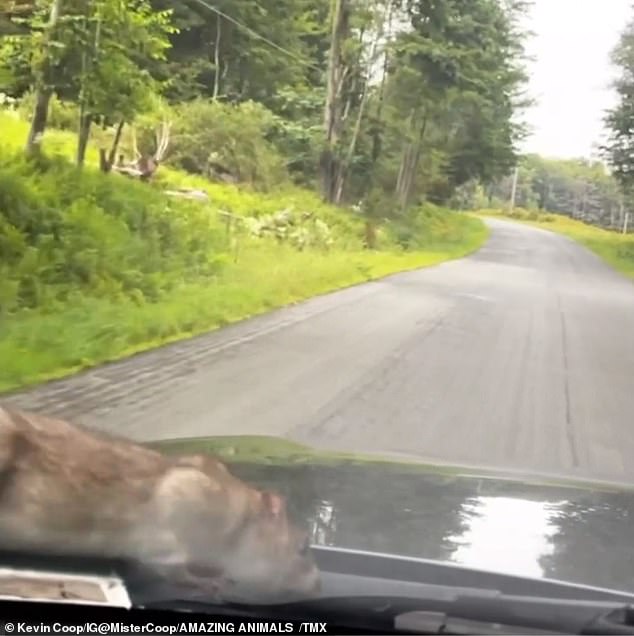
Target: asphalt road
(520,356)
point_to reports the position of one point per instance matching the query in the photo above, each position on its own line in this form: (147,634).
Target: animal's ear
(191,461)
(206,463)
(274,505)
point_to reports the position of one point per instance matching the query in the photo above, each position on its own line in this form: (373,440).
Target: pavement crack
(364,385)
(564,348)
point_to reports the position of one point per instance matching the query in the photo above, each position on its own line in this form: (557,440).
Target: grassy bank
(613,247)
(96,267)
(42,345)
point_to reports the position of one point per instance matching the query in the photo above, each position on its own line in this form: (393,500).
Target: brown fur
(64,489)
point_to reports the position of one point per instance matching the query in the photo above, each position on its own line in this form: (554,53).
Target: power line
(255,34)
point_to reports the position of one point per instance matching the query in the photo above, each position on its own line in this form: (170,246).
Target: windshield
(277,276)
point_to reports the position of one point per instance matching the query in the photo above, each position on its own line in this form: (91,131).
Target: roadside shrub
(226,143)
(64,231)
(298,133)
(429,227)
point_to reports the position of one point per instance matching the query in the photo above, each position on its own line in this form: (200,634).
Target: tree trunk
(377,139)
(333,68)
(404,158)
(43,91)
(115,143)
(340,181)
(418,147)
(217,59)
(332,108)
(85,122)
(409,165)
(38,121)
(370,234)
(342,173)
(403,171)
(106,162)
(328,169)
(345,166)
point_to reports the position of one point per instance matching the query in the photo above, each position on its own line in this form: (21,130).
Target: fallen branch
(183,193)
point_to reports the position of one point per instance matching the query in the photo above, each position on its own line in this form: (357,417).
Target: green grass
(39,345)
(94,267)
(615,248)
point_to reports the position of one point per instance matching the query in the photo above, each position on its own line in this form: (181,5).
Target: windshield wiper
(471,613)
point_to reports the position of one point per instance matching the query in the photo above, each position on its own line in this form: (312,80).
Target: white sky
(571,75)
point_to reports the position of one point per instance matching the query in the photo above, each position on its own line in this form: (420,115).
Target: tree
(450,96)
(333,105)
(416,96)
(575,187)
(44,60)
(383,101)
(360,33)
(114,83)
(9,10)
(242,50)
(378,21)
(94,53)
(619,150)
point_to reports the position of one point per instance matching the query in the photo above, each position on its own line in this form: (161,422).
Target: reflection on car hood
(575,533)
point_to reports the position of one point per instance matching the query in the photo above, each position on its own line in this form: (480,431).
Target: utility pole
(626,220)
(514,188)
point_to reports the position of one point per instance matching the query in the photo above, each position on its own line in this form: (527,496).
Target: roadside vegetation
(614,247)
(95,267)
(171,167)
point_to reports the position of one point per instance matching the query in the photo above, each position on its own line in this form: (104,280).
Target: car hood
(578,532)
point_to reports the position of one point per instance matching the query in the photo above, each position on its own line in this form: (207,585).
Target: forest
(388,102)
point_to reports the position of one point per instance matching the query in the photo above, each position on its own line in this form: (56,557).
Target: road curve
(520,356)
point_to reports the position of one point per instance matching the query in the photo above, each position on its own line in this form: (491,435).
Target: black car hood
(574,532)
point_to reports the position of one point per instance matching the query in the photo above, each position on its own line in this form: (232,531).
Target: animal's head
(272,556)
(243,532)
